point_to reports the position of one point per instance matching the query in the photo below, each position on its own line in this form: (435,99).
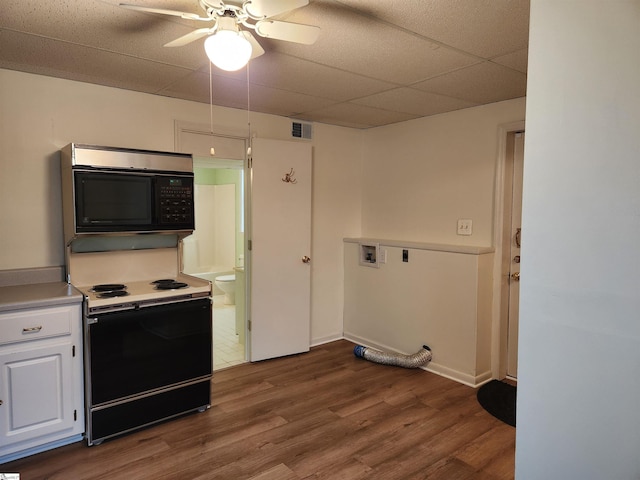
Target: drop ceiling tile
(232,92)
(356,116)
(487,28)
(516,60)
(281,102)
(483,83)
(106,27)
(413,101)
(194,87)
(59,59)
(292,74)
(359,44)
(227,92)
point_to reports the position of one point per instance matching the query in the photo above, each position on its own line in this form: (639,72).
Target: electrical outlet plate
(465,226)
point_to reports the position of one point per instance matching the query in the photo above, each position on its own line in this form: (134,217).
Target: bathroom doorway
(215,251)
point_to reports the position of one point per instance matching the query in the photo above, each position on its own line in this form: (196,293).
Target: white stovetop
(137,269)
(140,291)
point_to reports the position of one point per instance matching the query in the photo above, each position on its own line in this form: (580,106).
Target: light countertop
(19,297)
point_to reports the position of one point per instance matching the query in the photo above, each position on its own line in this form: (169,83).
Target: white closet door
(281,244)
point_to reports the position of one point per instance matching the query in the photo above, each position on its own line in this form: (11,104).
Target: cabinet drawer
(26,325)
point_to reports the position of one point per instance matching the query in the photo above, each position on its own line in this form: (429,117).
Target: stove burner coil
(108,287)
(112,293)
(171,285)
(110,290)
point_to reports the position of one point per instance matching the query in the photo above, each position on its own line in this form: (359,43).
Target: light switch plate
(465,226)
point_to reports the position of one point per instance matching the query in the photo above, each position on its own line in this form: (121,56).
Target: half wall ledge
(423,292)
(436,247)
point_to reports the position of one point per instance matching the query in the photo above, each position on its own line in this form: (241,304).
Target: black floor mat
(499,399)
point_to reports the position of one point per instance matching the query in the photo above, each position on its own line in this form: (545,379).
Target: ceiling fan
(229,47)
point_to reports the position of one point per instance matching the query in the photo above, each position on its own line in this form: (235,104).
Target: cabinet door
(36,392)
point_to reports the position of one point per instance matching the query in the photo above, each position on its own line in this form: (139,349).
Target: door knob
(306,259)
(516,276)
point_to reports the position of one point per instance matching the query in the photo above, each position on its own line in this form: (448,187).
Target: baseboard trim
(10,457)
(328,339)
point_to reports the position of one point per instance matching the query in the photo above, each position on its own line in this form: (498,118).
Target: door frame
(502,225)
(218,131)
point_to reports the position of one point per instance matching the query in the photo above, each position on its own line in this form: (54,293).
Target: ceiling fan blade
(162,11)
(269,8)
(256,48)
(190,37)
(291,32)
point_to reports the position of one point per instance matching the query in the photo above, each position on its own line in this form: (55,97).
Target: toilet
(227,283)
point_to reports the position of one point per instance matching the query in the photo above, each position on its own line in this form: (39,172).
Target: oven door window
(137,351)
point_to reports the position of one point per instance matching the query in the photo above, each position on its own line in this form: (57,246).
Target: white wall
(421,176)
(579,362)
(436,298)
(39,115)
(335,203)
(212,246)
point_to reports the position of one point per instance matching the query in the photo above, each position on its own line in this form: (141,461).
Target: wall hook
(288,177)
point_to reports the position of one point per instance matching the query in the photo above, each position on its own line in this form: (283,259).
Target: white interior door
(516,238)
(280,248)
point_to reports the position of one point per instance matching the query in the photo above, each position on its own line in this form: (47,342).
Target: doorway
(215,252)
(273,295)
(509,247)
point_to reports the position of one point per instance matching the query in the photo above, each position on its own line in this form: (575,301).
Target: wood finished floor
(321,415)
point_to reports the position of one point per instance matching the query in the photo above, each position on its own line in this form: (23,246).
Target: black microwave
(126,191)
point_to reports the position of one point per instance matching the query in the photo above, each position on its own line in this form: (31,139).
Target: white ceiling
(376,62)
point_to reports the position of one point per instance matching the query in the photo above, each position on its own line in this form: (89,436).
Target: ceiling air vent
(301,130)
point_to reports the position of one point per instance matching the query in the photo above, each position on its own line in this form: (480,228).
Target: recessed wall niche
(370,254)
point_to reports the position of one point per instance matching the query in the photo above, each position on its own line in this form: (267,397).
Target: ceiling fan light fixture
(228,50)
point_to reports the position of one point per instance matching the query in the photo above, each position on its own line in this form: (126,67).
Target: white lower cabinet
(41,382)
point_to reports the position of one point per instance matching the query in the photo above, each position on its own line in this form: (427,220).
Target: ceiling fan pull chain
(210,98)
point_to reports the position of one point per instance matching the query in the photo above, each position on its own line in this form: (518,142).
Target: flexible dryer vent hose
(398,359)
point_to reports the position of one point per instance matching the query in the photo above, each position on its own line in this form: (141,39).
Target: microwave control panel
(175,200)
